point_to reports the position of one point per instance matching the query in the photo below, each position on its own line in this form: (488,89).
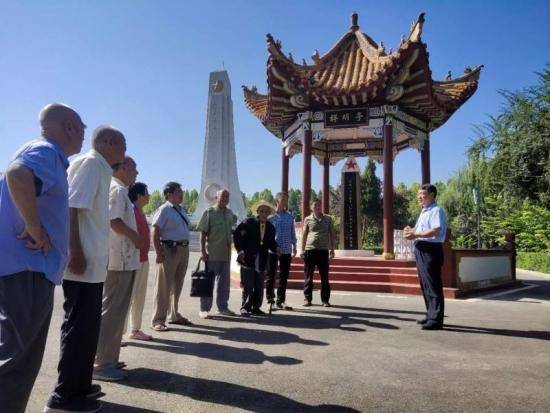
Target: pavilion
(357,99)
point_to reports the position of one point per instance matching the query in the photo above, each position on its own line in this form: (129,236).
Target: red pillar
(425,157)
(284,171)
(326,187)
(388,193)
(306,175)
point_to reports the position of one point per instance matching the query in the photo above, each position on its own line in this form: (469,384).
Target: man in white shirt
(89,176)
(124,243)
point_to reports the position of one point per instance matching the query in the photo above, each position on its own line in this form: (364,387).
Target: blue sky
(143,67)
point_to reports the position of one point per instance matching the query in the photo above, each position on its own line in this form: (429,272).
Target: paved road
(364,354)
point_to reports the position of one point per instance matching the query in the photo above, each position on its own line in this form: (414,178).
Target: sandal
(160,327)
(181,321)
(139,335)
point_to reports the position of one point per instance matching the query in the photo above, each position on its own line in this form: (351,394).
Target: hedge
(534,261)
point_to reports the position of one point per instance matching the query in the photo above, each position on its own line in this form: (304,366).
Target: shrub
(534,261)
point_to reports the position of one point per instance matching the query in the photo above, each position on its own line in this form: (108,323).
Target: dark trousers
(429,259)
(319,259)
(26,303)
(253,288)
(281,263)
(79,335)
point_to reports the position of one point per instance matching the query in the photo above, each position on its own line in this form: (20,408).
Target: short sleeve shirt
(318,232)
(170,223)
(89,180)
(48,163)
(433,216)
(123,254)
(218,223)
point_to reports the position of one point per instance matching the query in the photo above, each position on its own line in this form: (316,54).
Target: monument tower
(219,168)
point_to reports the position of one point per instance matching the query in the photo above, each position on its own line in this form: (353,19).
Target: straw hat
(262,203)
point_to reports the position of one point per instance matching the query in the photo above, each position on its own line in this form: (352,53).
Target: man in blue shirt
(33,248)
(429,234)
(285,235)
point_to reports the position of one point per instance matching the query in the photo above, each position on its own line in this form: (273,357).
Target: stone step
(374,287)
(367,277)
(357,269)
(365,262)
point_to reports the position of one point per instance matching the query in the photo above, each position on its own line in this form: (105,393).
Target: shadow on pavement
(379,310)
(250,335)
(534,334)
(217,352)
(223,393)
(109,407)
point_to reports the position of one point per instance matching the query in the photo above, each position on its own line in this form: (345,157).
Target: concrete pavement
(364,354)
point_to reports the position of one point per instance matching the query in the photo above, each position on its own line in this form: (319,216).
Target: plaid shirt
(285,235)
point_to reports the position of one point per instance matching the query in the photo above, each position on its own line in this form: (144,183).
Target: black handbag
(202,281)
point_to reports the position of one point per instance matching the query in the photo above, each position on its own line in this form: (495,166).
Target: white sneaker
(203,314)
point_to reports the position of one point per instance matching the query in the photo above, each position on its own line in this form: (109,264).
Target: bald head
(61,124)
(54,114)
(110,143)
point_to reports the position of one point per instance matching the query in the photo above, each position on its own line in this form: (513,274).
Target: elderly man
(89,178)
(34,216)
(124,244)
(254,240)
(285,235)
(171,242)
(216,226)
(428,235)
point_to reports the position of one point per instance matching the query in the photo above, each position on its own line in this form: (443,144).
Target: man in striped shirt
(285,235)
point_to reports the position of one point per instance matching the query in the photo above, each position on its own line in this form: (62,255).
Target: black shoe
(307,303)
(422,322)
(257,311)
(77,406)
(93,391)
(245,312)
(327,304)
(432,325)
(283,306)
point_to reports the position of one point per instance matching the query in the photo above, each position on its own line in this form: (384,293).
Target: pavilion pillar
(388,190)
(306,173)
(284,171)
(326,186)
(425,158)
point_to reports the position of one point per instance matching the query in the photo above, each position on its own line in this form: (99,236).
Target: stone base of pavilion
(365,274)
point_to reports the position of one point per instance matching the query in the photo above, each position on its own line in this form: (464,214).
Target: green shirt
(319,230)
(218,223)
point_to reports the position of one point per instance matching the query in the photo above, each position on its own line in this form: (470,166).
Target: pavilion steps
(372,274)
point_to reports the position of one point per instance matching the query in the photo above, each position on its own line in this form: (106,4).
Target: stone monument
(219,168)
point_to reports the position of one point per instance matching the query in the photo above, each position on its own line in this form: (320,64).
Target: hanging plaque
(346,118)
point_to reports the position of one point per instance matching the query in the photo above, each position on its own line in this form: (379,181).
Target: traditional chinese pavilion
(357,99)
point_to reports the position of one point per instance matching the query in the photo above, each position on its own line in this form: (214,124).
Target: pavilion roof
(357,72)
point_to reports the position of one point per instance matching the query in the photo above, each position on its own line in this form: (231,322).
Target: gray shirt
(171,225)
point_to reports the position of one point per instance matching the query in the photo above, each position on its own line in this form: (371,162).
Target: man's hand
(408,232)
(303,255)
(204,256)
(37,238)
(294,251)
(278,252)
(331,254)
(160,257)
(77,262)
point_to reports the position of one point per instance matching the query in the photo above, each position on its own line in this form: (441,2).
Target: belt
(169,243)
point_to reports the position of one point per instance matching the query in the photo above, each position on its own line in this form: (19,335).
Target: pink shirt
(143,230)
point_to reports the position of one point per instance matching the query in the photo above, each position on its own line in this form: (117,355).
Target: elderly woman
(254,238)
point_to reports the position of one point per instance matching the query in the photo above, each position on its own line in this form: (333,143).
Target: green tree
(371,205)
(294,203)
(155,200)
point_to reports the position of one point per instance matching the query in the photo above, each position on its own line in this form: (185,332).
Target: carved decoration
(394,92)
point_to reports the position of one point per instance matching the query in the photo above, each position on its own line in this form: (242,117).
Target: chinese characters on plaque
(347,117)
